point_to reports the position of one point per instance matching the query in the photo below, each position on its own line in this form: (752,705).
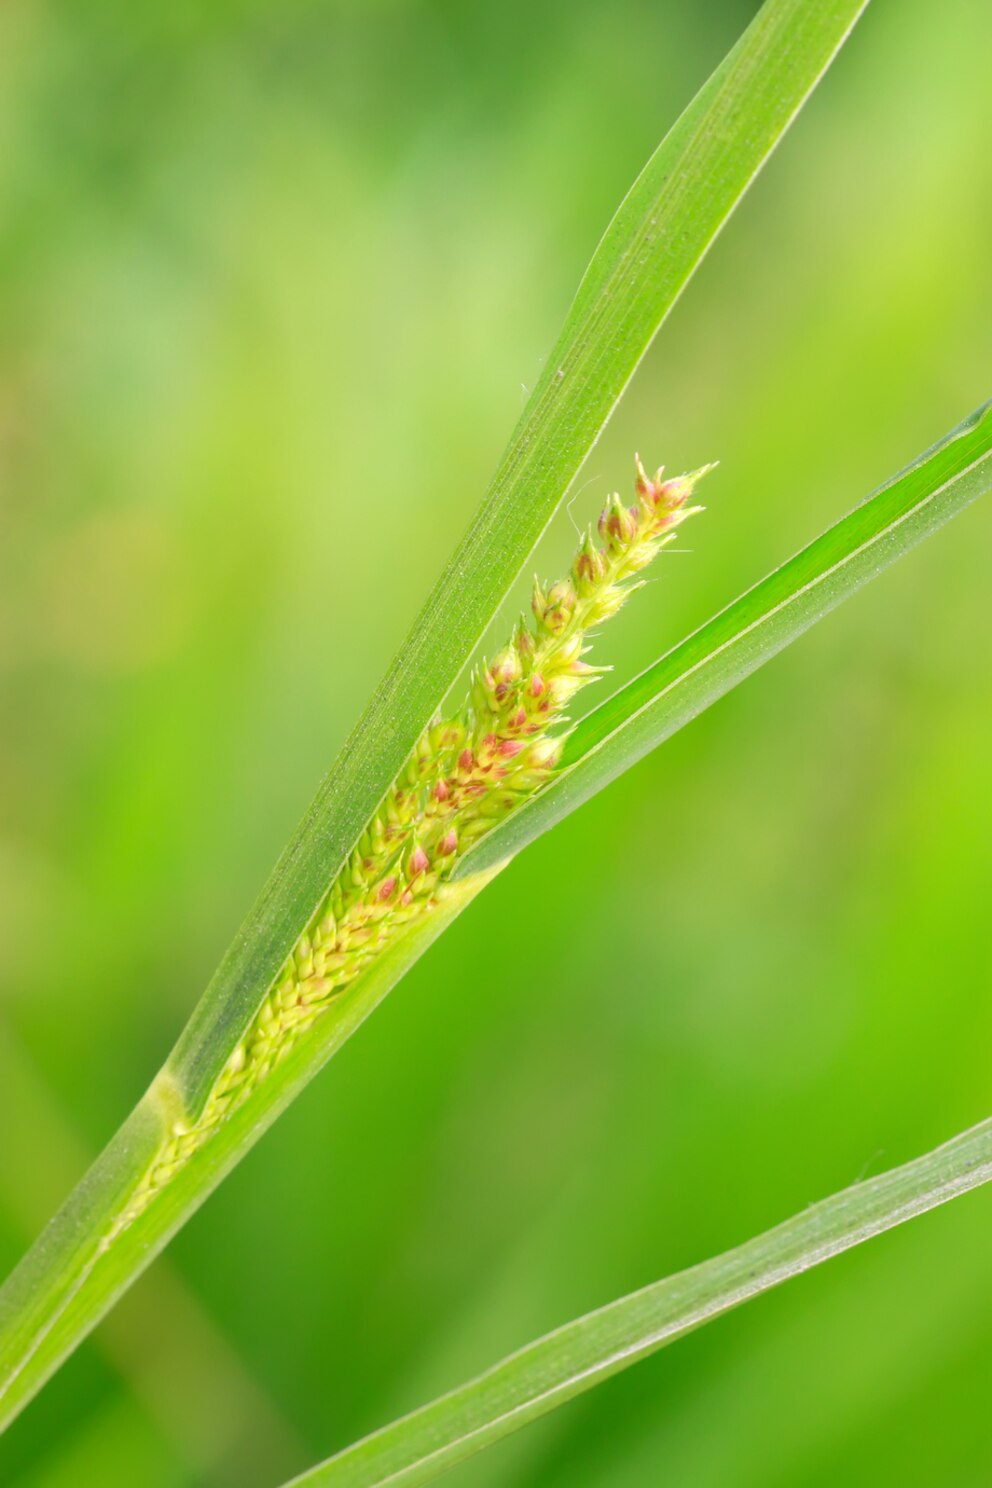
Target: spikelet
(463,776)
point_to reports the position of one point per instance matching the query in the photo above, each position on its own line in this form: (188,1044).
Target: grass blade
(756,627)
(659,235)
(565,1363)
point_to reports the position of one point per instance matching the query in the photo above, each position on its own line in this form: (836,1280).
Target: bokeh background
(274,275)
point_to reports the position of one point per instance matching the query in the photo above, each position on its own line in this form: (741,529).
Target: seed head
(464,774)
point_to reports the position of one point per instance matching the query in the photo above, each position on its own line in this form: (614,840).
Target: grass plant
(427,803)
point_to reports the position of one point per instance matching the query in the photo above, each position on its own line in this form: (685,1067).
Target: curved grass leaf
(756,627)
(563,1364)
(658,237)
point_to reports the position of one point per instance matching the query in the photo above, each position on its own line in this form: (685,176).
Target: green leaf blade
(563,1364)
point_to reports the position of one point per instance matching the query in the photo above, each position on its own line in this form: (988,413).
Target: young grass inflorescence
(465,774)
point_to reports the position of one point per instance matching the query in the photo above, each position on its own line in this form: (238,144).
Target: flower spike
(463,776)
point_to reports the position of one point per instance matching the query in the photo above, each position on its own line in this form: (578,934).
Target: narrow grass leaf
(565,1363)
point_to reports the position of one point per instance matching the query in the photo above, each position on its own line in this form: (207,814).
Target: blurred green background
(273,278)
